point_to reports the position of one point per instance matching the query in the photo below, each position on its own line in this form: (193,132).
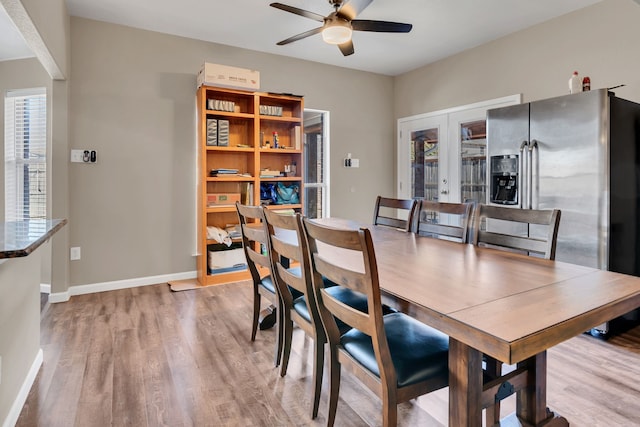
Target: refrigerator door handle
(522,174)
(534,154)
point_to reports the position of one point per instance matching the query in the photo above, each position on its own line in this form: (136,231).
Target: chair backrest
(429,220)
(530,231)
(347,258)
(392,207)
(255,239)
(289,247)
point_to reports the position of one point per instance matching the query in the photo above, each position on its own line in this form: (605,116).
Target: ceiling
(440,27)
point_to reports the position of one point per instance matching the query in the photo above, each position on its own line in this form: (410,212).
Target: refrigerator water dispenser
(504,179)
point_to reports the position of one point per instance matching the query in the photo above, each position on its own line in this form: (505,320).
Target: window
(316,163)
(25,154)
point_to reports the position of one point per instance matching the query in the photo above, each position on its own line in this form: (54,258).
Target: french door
(442,155)
(422,172)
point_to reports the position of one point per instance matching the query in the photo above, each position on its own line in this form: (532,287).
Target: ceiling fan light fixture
(338,32)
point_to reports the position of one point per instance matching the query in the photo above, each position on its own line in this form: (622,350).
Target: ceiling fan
(339,24)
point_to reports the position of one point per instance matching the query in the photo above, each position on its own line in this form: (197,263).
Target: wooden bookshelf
(241,140)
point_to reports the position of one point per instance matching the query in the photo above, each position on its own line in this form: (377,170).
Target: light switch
(76,156)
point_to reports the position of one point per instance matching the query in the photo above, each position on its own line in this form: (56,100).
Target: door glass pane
(313,201)
(315,164)
(424,163)
(473,169)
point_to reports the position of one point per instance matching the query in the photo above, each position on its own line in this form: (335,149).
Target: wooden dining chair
(513,230)
(292,273)
(530,231)
(255,241)
(396,356)
(430,220)
(386,208)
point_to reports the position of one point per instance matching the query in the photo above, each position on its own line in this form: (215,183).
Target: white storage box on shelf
(223,259)
(226,76)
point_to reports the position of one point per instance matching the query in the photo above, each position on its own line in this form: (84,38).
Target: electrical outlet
(74,253)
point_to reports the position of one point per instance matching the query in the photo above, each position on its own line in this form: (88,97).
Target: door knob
(444,192)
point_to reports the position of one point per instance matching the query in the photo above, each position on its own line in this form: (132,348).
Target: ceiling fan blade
(380,26)
(301,12)
(300,36)
(353,8)
(346,48)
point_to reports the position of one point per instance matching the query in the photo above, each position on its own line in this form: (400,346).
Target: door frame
(325,184)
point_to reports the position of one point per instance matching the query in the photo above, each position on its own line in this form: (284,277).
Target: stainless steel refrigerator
(579,153)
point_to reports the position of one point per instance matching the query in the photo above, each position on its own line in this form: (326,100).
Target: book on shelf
(246,193)
(266,173)
(296,137)
(218,172)
(212,132)
(223,133)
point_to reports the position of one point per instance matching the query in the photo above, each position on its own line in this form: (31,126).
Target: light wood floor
(150,357)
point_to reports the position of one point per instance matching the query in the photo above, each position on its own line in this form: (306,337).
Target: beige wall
(599,41)
(132,94)
(20,320)
(132,97)
(19,278)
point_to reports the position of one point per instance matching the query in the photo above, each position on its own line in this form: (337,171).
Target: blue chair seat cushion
(418,351)
(351,298)
(267,283)
(345,295)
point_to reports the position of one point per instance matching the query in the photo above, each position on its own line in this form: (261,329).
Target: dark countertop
(20,238)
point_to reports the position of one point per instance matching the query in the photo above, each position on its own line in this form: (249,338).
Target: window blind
(25,154)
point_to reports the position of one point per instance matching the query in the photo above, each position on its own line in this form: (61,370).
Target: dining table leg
(465,385)
(531,402)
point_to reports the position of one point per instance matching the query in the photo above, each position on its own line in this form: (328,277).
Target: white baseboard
(118,284)
(45,288)
(21,398)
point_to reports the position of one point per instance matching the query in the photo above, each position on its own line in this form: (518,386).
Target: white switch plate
(351,163)
(74,253)
(76,156)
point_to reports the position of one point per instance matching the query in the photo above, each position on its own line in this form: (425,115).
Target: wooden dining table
(509,306)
